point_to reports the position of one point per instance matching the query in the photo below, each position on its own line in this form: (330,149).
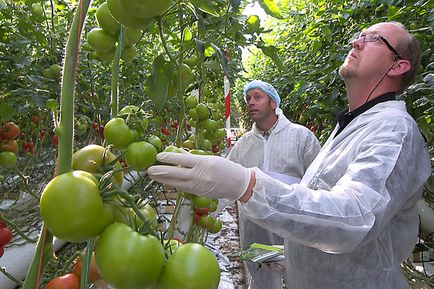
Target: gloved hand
(206,176)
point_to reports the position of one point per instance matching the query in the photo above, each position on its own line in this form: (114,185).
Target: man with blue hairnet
(352,220)
(281,149)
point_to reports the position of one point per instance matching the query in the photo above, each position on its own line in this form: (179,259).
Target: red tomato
(5,236)
(68,281)
(55,140)
(10,130)
(165,131)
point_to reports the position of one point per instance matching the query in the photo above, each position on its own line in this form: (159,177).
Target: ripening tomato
(127,260)
(191,266)
(10,145)
(90,159)
(68,281)
(93,274)
(72,207)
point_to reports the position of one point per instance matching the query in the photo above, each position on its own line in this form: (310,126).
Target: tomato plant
(127,260)
(72,207)
(68,281)
(191,266)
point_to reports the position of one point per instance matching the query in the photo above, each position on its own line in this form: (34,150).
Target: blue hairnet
(265,87)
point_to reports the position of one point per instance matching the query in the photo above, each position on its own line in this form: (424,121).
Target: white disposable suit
(352,220)
(289,150)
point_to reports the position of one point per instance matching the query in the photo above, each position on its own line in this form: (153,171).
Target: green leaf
(206,6)
(270,8)
(271,51)
(157,84)
(6,112)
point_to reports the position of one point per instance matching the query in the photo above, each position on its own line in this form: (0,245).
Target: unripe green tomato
(202,111)
(210,125)
(118,11)
(172,149)
(118,133)
(146,8)
(8,159)
(106,20)
(190,266)
(140,155)
(191,101)
(72,207)
(100,40)
(128,260)
(156,142)
(132,36)
(106,57)
(128,54)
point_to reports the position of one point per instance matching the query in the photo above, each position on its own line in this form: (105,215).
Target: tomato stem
(114,104)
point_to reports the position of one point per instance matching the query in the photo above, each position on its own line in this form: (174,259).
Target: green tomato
(56,71)
(216,227)
(210,125)
(118,133)
(106,56)
(191,101)
(172,149)
(201,202)
(140,155)
(128,54)
(206,222)
(8,159)
(189,144)
(156,142)
(191,266)
(146,8)
(128,216)
(106,20)
(132,36)
(219,134)
(127,260)
(72,207)
(100,40)
(90,159)
(119,12)
(202,111)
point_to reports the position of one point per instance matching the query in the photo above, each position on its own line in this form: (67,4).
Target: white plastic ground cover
(17,259)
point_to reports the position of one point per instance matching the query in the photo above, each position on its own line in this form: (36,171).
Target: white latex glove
(207,176)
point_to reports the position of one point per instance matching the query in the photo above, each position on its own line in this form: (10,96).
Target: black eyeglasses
(375,38)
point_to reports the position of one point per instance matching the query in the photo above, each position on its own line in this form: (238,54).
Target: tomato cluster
(208,136)
(5,237)
(9,131)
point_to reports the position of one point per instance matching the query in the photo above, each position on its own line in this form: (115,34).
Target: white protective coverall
(352,220)
(289,150)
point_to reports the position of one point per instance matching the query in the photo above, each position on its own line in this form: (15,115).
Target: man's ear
(400,67)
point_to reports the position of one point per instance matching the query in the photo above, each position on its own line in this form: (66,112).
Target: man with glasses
(352,220)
